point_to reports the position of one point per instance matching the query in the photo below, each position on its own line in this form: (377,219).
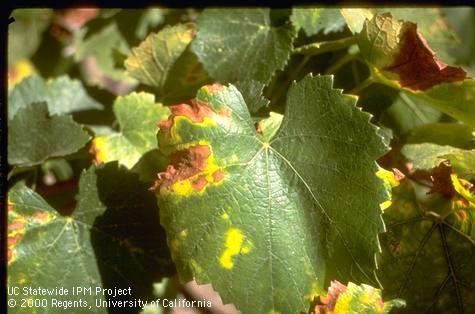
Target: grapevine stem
(358,88)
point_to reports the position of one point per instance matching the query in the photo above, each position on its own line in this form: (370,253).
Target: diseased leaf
(400,57)
(452,134)
(355,299)
(241,44)
(315,20)
(24,35)
(235,204)
(115,220)
(427,258)
(63,95)
(137,114)
(18,71)
(163,61)
(34,136)
(463,163)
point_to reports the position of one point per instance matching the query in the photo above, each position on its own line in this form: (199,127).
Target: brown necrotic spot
(184,164)
(416,63)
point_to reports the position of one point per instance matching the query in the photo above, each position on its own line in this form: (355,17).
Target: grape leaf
(24,35)
(315,20)
(400,57)
(246,37)
(427,259)
(34,136)
(251,91)
(99,50)
(163,61)
(430,22)
(463,163)
(234,204)
(462,21)
(355,299)
(426,156)
(452,134)
(110,240)
(137,115)
(408,112)
(63,95)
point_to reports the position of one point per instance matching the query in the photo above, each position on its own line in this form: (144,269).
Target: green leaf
(235,204)
(151,18)
(116,220)
(251,91)
(315,20)
(24,35)
(463,163)
(408,112)
(452,134)
(163,61)
(241,44)
(462,21)
(137,114)
(63,95)
(427,260)
(100,50)
(400,57)
(34,136)
(426,156)
(355,299)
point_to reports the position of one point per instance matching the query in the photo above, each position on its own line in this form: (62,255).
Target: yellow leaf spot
(19,71)
(385,204)
(98,149)
(184,233)
(225,216)
(234,246)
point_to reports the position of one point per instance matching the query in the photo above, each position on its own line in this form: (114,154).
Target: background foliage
(277,201)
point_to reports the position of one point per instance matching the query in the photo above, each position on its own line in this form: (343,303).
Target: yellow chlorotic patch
(174,245)
(385,205)
(99,150)
(315,291)
(234,245)
(19,71)
(225,216)
(388,177)
(274,312)
(174,135)
(184,233)
(234,158)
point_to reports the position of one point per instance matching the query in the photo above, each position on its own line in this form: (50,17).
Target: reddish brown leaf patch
(416,63)
(441,182)
(196,112)
(183,165)
(328,302)
(218,175)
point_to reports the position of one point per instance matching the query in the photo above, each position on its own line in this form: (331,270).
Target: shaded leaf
(163,61)
(408,112)
(24,35)
(63,95)
(151,18)
(111,240)
(427,260)
(34,136)
(235,204)
(100,50)
(426,156)
(355,299)
(137,115)
(452,134)
(315,20)
(251,91)
(245,37)
(462,21)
